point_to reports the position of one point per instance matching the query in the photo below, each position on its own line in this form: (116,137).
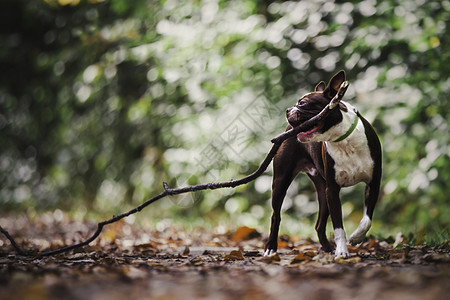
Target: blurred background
(102,101)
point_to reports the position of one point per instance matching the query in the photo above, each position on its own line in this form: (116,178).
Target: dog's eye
(301,102)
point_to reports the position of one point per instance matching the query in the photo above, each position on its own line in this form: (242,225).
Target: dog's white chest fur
(352,160)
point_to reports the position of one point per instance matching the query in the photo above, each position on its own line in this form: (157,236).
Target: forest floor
(128,262)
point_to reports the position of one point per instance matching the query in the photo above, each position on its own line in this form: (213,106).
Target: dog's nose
(291,110)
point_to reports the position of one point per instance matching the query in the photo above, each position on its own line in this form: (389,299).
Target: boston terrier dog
(340,151)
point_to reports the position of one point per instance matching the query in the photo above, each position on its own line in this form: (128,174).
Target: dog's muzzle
(293,116)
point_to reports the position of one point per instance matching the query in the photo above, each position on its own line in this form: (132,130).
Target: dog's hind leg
(371,196)
(372,188)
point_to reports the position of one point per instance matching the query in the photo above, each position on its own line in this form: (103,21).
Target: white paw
(270,252)
(356,237)
(360,233)
(341,243)
(342,252)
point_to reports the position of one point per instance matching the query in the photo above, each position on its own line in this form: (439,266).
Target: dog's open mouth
(306,136)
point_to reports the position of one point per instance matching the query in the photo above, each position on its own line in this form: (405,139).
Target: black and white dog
(340,151)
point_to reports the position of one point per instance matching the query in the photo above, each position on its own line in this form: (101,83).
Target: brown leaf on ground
(348,260)
(234,255)
(300,258)
(245,233)
(282,244)
(274,258)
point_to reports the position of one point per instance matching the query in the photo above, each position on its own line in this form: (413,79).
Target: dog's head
(311,104)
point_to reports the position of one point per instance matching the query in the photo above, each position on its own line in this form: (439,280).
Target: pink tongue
(303,136)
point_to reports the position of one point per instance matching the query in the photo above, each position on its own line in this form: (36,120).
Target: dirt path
(130,263)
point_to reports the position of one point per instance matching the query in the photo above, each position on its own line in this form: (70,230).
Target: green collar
(350,130)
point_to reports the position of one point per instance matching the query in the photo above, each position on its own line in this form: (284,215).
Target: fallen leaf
(270,259)
(282,244)
(196,261)
(145,246)
(398,254)
(352,248)
(324,258)
(398,239)
(212,243)
(234,255)
(349,260)
(310,253)
(245,233)
(385,245)
(373,244)
(300,258)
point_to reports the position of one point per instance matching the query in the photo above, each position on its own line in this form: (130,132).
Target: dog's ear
(334,84)
(320,87)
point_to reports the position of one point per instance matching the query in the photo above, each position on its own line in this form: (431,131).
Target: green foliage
(101,101)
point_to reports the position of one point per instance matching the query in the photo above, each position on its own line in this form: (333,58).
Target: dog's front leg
(335,209)
(285,168)
(334,205)
(279,188)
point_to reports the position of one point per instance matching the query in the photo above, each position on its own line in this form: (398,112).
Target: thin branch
(13,242)
(211,186)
